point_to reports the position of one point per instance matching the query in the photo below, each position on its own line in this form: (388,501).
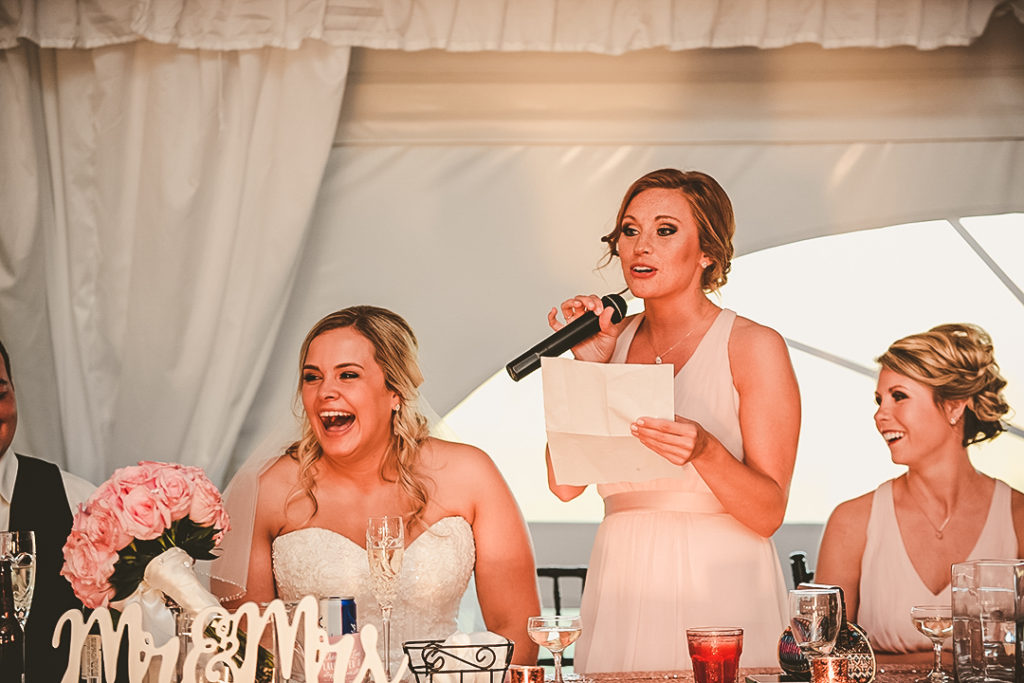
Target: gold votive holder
(524,674)
(830,670)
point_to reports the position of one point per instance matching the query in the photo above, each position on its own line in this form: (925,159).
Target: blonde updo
(395,348)
(958,363)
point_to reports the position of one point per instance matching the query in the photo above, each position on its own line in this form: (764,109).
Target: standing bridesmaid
(694,550)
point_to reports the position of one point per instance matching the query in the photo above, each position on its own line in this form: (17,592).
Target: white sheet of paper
(588,408)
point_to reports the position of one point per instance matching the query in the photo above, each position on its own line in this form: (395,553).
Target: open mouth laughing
(892,437)
(336,419)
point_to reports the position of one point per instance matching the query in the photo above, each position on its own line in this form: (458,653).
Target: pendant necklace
(938,529)
(657,356)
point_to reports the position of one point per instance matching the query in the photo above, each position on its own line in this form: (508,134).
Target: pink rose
(206,507)
(174,490)
(88,568)
(144,516)
(102,525)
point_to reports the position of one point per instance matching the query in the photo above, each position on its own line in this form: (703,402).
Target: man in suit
(36,495)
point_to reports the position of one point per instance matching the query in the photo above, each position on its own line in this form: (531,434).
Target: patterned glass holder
(852,644)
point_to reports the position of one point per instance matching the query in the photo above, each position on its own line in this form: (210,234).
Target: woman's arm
(506,578)
(1017,508)
(755,490)
(564,492)
(842,547)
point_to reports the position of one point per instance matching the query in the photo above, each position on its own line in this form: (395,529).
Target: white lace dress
(435,572)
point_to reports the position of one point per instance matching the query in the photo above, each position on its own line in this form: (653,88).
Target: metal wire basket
(485,663)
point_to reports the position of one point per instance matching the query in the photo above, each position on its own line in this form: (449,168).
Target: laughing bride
(365,452)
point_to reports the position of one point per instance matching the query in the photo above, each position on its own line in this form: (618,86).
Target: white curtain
(156,201)
(169,230)
(603,26)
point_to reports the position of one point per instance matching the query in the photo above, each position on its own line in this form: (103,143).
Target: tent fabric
(156,202)
(607,26)
(176,218)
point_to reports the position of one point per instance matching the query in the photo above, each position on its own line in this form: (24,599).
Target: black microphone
(580,329)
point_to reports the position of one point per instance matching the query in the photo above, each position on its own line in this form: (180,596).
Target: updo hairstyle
(395,350)
(957,361)
(712,211)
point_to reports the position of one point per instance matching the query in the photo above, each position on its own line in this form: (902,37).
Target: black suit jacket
(40,504)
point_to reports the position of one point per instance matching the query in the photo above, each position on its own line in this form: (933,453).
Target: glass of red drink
(715,653)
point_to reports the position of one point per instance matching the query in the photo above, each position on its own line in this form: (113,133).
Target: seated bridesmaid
(365,452)
(938,392)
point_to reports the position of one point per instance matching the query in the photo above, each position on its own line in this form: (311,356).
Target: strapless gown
(435,572)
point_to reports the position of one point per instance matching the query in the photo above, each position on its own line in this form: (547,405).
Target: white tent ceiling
(469,192)
(466,190)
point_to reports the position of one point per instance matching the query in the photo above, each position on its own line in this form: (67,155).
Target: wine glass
(385,546)
(936,622)
(20,548)
(554,633)
(815,615)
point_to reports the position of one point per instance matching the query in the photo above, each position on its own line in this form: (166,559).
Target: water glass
(986,595)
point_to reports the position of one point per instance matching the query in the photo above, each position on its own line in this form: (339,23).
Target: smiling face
(908,418)
(345,396)
(8,410)
(659,245)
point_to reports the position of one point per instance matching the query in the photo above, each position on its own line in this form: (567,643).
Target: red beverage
(715,653)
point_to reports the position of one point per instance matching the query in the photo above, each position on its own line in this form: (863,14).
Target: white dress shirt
(77,489)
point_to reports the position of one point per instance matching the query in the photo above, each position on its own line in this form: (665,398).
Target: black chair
(798,565)
(556,574)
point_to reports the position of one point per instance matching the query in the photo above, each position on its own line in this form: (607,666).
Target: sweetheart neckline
(362,548)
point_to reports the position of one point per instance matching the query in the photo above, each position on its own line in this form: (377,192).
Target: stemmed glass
(20,548)
(936,622)
(554,633)
(815,615)
(385,546)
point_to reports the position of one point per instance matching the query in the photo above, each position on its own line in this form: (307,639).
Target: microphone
(580,329)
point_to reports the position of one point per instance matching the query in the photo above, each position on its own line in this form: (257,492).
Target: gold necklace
(938,529)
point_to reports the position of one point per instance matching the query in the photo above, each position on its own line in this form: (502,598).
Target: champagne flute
(815,615)
(20,548)
(554,633)
(936,622)
(385,546)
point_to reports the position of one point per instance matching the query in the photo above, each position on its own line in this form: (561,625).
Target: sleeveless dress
(668,557)
(435,572)
(889,584)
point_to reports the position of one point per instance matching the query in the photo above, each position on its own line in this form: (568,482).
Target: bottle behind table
(12,637)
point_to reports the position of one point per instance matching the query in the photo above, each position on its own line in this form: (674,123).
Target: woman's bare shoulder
(279,478)
(749,334)
(854,512)
(453,457)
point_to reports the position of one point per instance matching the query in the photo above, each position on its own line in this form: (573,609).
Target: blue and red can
(338,615)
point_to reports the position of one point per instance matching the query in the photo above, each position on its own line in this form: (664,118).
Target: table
(887,673)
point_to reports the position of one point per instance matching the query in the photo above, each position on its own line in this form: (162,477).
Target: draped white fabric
(604,26)
(160,202)
(174,216)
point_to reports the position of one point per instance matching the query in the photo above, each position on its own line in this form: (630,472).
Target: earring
(705,264)
(952,420)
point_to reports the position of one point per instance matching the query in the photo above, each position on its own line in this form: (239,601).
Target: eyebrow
(310,366)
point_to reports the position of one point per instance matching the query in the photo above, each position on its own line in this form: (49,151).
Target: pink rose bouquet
(135,516)
(148,524)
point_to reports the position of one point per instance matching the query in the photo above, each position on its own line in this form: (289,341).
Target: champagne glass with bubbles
(815,615)
(936,622)
(20,548)
(385,547)
(554,633)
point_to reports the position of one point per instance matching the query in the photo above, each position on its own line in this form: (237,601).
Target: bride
(365,452)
